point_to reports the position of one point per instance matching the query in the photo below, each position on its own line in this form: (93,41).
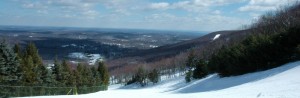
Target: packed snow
(217,36)
(281,82)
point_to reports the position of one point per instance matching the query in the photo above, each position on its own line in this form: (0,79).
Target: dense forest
(24,74)
(274,40)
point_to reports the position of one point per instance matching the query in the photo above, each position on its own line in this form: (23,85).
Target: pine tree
(141,76)
(10,72)
(104,75)
(200,70)
(18,51)
(30,77)
(188,76)
(154,76)
(96,77)
(32,66)
(49,79)
(33,52)
(87,76)
(57,72)
(78,75)
(67,78)
(41,72)
(191,60)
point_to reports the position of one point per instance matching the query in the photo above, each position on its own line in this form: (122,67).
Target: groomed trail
(281,82)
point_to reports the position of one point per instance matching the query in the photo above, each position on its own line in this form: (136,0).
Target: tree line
(273,41)
(257,53)
(24,68)
(144,77)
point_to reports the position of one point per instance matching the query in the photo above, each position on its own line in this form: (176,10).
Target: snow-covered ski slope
(281,82)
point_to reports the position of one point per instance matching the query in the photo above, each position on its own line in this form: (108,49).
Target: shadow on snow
(214,82)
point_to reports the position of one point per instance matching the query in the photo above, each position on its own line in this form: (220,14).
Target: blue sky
(194,15)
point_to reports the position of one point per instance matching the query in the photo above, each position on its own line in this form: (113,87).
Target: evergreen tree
(96,80)
(32,51)
(57,71)
(30,77)
(256,53)
(141,76)
(132,80)
(49,79)
(78,75)
(188,76)
(32,66)
(67,78)
(18,51)
(87,76)
(191,60)
(10,72)
(104,75)
(154,76)
(200,70)
(41,72)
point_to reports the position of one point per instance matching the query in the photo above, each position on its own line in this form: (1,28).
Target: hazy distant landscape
(61,42)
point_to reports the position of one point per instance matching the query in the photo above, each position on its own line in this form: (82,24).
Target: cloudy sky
(195,15)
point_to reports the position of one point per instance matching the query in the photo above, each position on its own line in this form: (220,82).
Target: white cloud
(30,5)
(69,16)
(161,17)
(192,5)
(200,22)
(122,11)
(257,8)
(90,14)
(42,11)
(255,16)
(65,8)
(217,12)
(122,7)
(219,22)
(160,5)
(34,5)
(265,5)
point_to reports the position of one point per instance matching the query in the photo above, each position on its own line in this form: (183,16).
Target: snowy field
(281,82)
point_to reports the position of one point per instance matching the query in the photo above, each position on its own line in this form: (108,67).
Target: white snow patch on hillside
(77,55)
(91,58)
(216,37)
(281,82)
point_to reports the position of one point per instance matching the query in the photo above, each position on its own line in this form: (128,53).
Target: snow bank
(281,82)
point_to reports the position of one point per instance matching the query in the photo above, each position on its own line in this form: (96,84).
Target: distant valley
(82,44)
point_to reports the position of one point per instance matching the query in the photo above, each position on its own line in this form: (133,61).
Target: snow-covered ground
(216,37)
(281,82)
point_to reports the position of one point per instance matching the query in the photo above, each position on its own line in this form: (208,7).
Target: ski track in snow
(281,82)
